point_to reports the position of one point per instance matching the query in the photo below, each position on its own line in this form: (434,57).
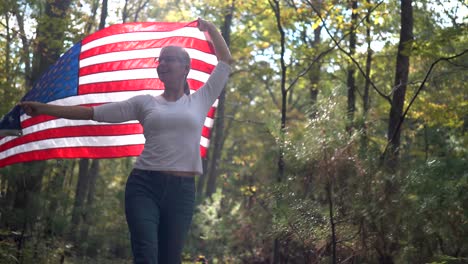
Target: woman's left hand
(220,46)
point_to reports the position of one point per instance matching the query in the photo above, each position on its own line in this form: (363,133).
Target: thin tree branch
(421,87)
(337,44)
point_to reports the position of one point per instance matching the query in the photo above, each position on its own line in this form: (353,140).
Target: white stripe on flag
(94,141)
(56,123)
(191,32)
(137,74)
(209,122)
(143,54)
(204,142)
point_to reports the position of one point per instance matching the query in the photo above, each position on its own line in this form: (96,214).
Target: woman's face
(171,66)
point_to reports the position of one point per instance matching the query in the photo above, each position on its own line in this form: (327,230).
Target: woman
(160,191)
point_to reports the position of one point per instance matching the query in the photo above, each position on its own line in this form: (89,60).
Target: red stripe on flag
(206,131)
(132,64)
(202,66)
(119,86)
(119,65)
(203,152)
(36,120)
(211,112)
(130,85)
(185,42)
(137,26)
(194,84)
(75,152)
(75,131)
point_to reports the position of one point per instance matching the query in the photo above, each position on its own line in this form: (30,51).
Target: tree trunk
(88,219)
(25,58)
(49,45)
(315,75)
(125,12)
(90,23)
(275,5)
(400,85)
(102,23)
(329,191)
(80,195)
(50,35)
(365,97)
(55,187)
(202,179)
(389,225)
(94,170)
(351,81)
(219,124)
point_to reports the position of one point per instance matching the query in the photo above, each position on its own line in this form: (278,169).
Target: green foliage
(436,194)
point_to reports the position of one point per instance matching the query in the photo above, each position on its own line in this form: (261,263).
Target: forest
(341,137)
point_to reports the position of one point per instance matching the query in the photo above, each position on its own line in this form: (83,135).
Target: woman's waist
(181,173)
(185,171)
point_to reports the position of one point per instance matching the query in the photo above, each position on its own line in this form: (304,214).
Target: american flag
(113,64)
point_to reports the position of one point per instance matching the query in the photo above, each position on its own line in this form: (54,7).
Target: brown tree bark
(275,5)
(367,181)
(102,22)
(80,196)
(88,219)
(315,74)
(86,186)
(218,139)
(90,23)
(125,12)
(366,98)
(49,40)
(351,80)
(50,34)
(54,187)
(25,59)
(388,229)
(400,84)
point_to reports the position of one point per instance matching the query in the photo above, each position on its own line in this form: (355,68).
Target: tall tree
(218,139)
(365,96)
(87,177)
(80,196)
(351,80)
(50,36)
(276,7)
(400,84)
(90,22)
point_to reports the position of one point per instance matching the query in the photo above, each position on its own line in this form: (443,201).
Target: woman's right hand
(31,108)
(204,25)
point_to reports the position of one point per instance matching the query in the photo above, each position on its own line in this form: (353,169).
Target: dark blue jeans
(159,209)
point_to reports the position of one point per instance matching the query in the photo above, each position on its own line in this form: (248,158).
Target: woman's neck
(173,94)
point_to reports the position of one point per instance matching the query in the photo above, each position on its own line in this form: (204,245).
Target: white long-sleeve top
(172,130)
